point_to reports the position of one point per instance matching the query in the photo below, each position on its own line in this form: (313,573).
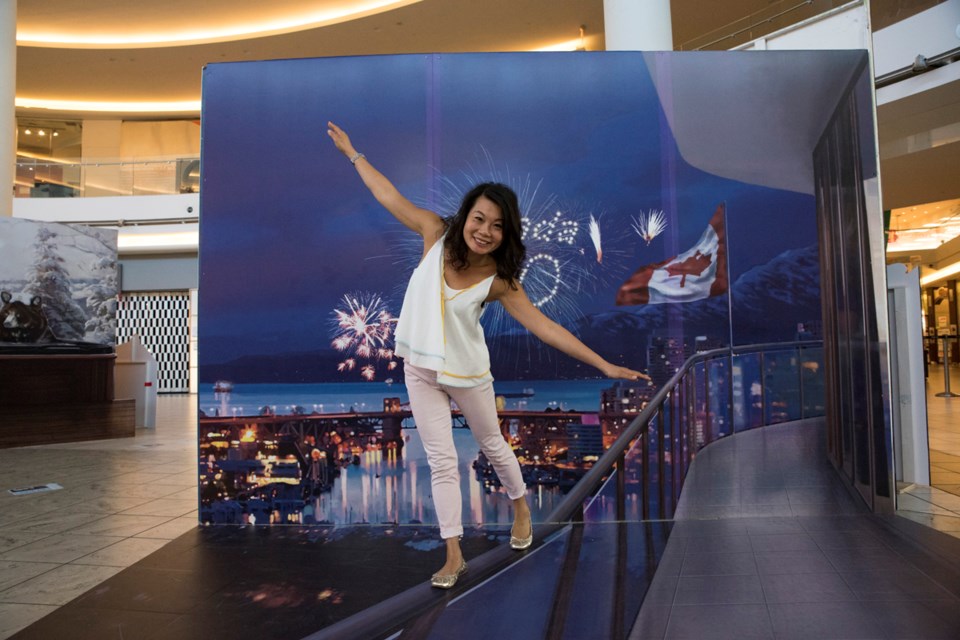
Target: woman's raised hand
(426,223)
(340,139)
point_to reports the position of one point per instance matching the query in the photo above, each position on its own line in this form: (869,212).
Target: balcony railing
(47,179)
(773,17)
(634,487)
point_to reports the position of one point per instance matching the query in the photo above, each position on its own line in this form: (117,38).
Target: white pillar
(637,25)
(8,94)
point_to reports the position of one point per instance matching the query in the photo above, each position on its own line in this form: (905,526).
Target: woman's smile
(483,230)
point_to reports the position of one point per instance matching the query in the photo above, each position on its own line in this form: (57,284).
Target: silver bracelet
(356,157)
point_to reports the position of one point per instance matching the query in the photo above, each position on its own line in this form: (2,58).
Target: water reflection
(390,489)
(364,464)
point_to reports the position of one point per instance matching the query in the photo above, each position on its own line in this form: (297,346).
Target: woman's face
(483,230)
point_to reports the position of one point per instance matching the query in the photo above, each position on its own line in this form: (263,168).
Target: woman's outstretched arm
(518,305)
(425,222)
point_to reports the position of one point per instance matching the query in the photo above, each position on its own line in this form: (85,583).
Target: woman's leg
(430,406)
(479,407)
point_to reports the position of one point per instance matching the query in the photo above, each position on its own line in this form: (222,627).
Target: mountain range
(768,302)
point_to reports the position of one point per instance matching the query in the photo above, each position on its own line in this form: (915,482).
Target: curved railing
(714,394)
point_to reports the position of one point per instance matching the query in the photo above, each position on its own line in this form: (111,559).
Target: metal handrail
(393,614)
(562,513)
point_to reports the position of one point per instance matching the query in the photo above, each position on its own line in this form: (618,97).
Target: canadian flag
(695,274)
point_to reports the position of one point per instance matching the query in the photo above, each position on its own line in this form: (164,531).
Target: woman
(472,259)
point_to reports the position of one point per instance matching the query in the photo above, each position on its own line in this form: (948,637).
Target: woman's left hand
(623,373)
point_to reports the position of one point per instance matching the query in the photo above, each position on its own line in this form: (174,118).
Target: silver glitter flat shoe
(519,544)
(447,582)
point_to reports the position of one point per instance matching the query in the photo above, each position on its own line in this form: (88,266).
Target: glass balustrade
(46,179)
(717,394)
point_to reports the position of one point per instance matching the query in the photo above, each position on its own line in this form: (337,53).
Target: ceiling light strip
(185,106)
(569,45)
(346,12)
(940,274)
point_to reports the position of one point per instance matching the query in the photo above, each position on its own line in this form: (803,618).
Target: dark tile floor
(236,582)
(584,583)
(769,544)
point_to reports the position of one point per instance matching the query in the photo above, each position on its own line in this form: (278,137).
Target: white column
(637,25)
(8,94)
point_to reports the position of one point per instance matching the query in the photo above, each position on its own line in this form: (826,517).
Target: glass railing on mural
(717,395)
(46,179)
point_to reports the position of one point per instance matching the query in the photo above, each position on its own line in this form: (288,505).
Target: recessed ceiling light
(569,45)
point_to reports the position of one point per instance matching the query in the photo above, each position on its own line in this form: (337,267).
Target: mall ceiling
(128,59)
(101,59)
(128,51)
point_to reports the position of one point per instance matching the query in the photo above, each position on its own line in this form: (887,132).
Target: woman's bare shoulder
(501,288)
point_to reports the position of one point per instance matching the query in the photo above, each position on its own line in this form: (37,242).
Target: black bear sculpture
(21,322)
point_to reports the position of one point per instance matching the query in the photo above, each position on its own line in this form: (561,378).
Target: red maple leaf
(695,265)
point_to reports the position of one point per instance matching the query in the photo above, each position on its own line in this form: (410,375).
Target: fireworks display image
(553,237)
(595,238)
(542,274)
(565,259)
(362,330)
(649,225)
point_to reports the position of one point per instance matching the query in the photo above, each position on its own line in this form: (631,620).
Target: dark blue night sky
(288,228)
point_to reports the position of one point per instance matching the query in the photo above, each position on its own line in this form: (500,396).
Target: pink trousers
(430,404)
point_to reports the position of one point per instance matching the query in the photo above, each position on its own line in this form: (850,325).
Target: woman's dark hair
(511,252)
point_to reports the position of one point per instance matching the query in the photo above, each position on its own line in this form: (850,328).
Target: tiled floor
(938,506)
(124,499)
(943,419)
(769,544)
(121,500)
(227,582)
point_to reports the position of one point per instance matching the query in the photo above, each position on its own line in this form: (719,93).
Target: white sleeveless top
(439,327)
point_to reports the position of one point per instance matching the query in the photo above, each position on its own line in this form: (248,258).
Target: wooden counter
(60,398)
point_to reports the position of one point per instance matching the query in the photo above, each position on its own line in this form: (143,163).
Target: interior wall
(158,273)
(100,140)
(160,139)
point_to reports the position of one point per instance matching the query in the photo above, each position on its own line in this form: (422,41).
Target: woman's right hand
(341,140)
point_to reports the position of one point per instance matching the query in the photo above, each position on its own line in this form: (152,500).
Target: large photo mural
(655,226)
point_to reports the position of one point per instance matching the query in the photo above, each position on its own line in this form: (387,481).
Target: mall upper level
(107,111)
